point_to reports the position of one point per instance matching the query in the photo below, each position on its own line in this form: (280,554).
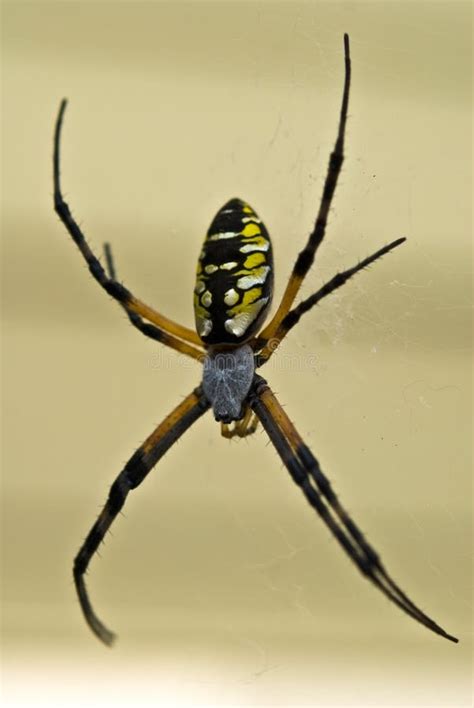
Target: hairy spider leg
(293,317)
(306,257)
(128,301)
(303,467)
(132,475)
(149,330)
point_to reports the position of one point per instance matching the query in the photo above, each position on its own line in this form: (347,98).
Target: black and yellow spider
(233,292)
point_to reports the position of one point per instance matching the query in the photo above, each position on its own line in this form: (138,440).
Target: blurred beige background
(224,587)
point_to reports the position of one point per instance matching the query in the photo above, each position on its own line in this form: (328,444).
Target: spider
(232,296)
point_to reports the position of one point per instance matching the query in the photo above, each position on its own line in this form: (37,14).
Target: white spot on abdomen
(249,281)
(231,297)
(239,324)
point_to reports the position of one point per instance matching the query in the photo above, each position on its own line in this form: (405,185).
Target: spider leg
(149,330)
(307,474)
(247,426)
(109,261)
(110,285)
(306,256)
(133,474)
(293,317)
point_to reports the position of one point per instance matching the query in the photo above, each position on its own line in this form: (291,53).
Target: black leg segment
(133,474)
(307,474)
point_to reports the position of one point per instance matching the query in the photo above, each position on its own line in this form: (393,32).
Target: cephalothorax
(226,381)
(232,296)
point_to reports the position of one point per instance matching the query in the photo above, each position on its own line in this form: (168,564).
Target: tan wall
(222,584)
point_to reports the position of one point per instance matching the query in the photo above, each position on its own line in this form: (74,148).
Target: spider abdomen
(234,280)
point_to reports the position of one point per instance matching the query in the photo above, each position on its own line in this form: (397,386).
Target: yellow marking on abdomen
(248,298)
(254,260)
(250,230)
